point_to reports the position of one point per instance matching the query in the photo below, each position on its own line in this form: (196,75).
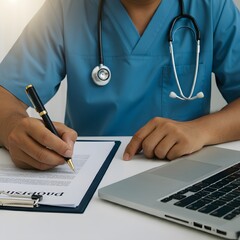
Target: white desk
(101,220)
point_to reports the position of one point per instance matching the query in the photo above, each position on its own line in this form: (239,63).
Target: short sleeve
(226,52)
(37,57)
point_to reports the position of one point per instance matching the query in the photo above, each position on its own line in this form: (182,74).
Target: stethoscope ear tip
(200,95)
(173,95)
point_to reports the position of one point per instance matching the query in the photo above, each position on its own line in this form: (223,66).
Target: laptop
(201,191)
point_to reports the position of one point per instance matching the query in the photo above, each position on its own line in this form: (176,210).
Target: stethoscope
(101,74)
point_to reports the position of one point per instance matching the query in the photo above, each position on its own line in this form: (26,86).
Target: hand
(165,139)
(32,146)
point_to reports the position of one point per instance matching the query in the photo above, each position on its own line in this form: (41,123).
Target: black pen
(39,107)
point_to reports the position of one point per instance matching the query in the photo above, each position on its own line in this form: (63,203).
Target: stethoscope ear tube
(170,40)
(182,96)
(179,17)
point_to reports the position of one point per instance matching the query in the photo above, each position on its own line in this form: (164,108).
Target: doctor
(161,99)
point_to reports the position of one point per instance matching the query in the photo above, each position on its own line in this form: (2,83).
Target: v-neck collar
(132,41)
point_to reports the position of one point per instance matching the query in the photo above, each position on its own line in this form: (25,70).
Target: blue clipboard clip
(18,200)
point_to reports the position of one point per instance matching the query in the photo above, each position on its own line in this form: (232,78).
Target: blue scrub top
(61,40)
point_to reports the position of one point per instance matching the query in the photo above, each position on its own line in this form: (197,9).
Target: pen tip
(70,164)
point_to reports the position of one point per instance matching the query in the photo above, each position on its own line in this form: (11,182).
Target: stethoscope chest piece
(101,75)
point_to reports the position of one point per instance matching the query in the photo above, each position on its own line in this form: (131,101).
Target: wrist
(214,129)
(8,126)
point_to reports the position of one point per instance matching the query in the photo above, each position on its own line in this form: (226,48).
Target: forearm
(222,126)
(12,110)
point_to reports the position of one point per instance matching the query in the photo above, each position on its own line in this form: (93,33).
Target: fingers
(132,148)
(136,143)
(32,145)
(24,161)
(180,149)
(164,147)
(39,153)
(164,139)
(46,138)
(68,135)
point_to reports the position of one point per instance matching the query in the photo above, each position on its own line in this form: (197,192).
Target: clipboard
(88,195)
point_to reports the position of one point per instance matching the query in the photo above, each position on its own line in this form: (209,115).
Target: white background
(14,15)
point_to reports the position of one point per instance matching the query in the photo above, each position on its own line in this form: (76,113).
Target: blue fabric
(62,40)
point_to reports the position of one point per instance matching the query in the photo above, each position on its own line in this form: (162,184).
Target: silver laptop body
(148,191)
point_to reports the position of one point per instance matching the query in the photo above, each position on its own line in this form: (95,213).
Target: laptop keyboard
(218,195)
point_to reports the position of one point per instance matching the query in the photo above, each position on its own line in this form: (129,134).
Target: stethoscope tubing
(179,17)
(100,46)
(195,73)
(171,49)
(101,74)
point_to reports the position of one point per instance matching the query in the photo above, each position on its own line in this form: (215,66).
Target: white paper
(59,186)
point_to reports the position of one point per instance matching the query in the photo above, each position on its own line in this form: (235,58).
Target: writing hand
(32,146)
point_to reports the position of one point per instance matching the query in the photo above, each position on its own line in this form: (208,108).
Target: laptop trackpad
(185,170)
